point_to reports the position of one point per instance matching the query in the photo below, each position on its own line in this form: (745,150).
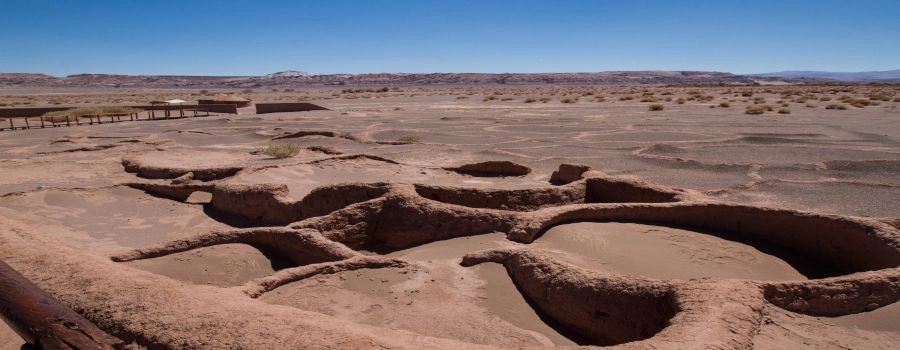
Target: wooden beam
(42,320)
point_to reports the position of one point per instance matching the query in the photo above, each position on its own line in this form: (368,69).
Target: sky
(147,37)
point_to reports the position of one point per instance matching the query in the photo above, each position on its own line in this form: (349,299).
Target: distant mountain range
(295,78)
(888,76)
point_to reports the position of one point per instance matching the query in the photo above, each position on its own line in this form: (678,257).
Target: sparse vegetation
(724,105)
(530,100)
(408,138)
(756,109)
(836,106)
(784,111)
(656,107)
(570,100)
(280,150)
(860,103)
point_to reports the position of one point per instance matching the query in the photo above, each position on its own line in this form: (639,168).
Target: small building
(226,99)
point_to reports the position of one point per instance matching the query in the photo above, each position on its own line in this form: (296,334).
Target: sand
(68,203)
(661,252)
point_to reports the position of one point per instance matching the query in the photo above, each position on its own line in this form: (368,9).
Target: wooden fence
(30,118)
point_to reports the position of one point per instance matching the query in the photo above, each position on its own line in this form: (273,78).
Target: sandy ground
(67,184)
(661,252)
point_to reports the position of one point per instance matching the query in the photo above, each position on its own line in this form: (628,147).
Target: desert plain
(763,217)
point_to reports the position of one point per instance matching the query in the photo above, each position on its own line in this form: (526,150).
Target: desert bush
(647,99)
(626,98)
(280,150)
(756,109)
(860,103)
(530,100)
(747,94)
(724,105)
(784,111)
(656,107)
(570,100)
(489,98)
(810,105)
(680,101)
(879,96)
(462,97)
(408,138)
(824,98)
(836,106)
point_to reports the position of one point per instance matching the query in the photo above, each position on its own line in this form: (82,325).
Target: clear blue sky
(258,37)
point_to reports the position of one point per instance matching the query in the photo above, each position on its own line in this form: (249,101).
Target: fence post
(43,321)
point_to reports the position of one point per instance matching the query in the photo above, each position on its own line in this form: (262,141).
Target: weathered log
(42,320)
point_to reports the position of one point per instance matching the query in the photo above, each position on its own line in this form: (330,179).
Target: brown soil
(706,228)
(661,252)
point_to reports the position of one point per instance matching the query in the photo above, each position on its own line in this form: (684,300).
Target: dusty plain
(119,223)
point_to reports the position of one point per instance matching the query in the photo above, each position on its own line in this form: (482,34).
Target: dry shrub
(280,150)
(570,100)
(836,106)
(756,109)
(860,103)
(408,138)
(530,100)
(724,105)
(656,107)
(879,96)
(784,111)
(680,101)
